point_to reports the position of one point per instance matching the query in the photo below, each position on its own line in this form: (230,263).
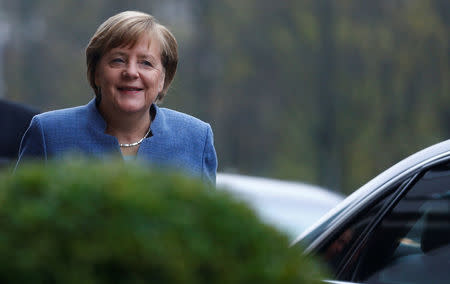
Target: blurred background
(321,91)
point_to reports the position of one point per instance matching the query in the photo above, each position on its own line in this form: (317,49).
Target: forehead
(143,43)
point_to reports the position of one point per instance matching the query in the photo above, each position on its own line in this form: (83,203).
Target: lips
(130,89)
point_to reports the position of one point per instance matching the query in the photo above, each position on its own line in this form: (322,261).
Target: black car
(394,229)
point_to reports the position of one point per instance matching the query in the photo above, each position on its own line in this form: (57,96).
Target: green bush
(85,222)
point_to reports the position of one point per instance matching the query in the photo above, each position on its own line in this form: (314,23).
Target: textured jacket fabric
(179,141)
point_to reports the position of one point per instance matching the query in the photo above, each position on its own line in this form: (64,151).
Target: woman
(131,61)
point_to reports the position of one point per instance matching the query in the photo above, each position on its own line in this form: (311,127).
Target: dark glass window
(412,243)
(338,250)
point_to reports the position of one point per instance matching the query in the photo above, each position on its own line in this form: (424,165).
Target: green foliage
(85,222)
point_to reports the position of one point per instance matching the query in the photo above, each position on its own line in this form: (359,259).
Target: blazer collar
(95,118)
(158,125)
(159,122)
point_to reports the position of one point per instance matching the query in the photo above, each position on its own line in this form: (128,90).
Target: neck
(127,128)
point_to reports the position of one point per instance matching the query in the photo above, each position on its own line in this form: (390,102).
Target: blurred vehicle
(289,206)
(394,229)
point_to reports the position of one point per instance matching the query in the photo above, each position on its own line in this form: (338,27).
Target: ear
(96,79)
(162,78)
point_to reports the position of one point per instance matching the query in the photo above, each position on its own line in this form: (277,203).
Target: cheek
(98,71)
(155,82)
(99,76)
(104,78)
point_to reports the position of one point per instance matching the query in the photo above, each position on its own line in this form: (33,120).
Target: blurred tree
(321,91)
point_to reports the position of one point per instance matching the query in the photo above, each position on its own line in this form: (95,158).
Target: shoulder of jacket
(179,118)
(62,114)
(62,118)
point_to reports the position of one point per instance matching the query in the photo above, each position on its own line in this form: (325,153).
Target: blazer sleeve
(33,143)
(209,158)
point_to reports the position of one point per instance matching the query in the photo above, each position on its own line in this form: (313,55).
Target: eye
(118,60)
(146,63)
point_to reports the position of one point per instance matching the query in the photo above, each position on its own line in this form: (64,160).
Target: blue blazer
(179,141)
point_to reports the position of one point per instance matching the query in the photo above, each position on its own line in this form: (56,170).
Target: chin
(133,109)
(133,106)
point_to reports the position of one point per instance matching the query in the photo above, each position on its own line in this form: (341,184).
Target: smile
(129,89)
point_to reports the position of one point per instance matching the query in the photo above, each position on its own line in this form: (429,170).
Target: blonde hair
(125,29)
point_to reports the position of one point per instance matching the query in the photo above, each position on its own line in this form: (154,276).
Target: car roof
(290,206)
(274,187)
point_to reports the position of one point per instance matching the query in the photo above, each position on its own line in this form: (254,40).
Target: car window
(412,243)
(338,250)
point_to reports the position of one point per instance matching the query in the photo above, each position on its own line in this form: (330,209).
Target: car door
(403,237)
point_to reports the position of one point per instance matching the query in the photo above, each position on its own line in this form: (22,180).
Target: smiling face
(130,78)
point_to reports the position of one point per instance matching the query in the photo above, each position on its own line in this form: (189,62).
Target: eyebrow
(121,53)
(146,56)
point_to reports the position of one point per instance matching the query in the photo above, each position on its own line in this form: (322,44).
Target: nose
(131,71)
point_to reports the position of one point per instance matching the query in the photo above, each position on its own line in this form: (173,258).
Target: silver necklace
(135,143)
